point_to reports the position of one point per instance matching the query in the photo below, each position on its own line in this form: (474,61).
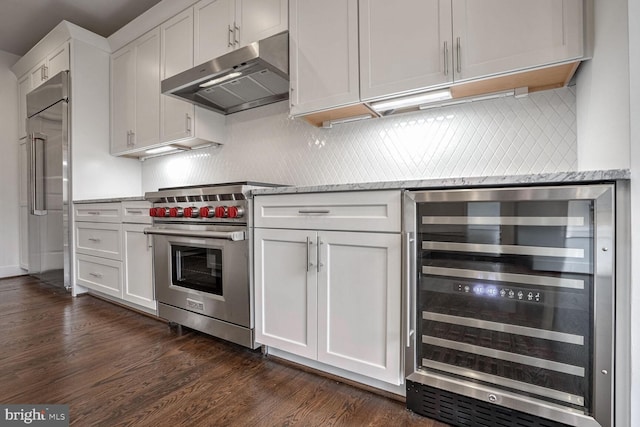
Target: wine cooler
(510,305)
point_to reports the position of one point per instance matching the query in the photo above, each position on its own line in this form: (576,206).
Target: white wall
(603,92)
(494,137)
(9,245)
(634,67)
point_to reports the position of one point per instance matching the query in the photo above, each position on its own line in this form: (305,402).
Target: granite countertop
(481,181)
(111,200)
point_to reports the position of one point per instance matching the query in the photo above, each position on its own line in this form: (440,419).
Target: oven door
(203,269)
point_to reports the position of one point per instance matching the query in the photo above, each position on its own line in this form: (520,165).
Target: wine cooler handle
(409,285)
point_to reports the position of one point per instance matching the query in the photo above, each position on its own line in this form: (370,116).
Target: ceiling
(24,22)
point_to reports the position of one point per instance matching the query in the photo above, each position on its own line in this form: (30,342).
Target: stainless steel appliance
(201,258)
(248,77)
(511,305)
(49,181)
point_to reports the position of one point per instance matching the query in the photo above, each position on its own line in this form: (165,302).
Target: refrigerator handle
(37,194)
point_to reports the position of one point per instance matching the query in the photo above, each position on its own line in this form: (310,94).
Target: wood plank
(114,366)
(536,80)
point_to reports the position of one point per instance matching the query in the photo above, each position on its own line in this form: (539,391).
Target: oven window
(197,268)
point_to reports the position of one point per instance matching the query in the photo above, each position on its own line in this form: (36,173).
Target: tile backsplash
(505,136)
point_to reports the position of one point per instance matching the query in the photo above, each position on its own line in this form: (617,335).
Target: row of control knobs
(203,212)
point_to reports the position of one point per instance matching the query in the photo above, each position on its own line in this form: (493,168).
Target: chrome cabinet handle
(94,239)
(93,213)
(229,33)
(46,72)
(188,123)
(458,56)
(313,211)
(236,34)
(446,58)
(309,263)
(97,275)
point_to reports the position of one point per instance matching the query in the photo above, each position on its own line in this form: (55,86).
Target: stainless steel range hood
(248,77)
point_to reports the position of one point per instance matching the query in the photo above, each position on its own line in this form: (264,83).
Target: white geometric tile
(502,136)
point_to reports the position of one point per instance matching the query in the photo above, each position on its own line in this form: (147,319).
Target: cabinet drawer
(98,212)
(352,211)
(99,239)
(99,274)
(136,212)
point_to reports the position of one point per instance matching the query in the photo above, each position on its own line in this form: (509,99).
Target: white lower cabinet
(113,255)
(330,296)
(138,253)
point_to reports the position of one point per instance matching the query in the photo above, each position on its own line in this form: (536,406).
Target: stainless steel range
(201,258)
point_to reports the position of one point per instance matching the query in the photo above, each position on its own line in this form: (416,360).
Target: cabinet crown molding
(62,32)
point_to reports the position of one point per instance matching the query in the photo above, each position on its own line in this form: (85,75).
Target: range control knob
(153,212)
(221,212)
(161,212)
(206,212)
(175,212)
(191,212)
(235,212)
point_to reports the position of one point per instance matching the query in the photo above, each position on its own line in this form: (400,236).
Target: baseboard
(12,271)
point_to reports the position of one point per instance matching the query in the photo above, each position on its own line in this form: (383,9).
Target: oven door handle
(226,235)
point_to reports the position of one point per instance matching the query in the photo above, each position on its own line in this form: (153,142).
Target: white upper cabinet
(323,55)
(499,36)
(414,45)
(259,19)
(224,25)
(177,56)
(404,45)
(122,98)
(214,29)
(135,94)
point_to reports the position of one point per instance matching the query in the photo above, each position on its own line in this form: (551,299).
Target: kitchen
(274,148)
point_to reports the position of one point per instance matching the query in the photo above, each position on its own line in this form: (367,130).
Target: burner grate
(463,411)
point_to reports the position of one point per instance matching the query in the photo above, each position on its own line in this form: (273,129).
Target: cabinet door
(259,19)
(122,98)
(24,237)
(359,285)
(138,266)
(58,60)
(285,290)
(213,29)
(404,46)
(24,86)
(324,55)
(37,74)
(147,90)
(176,116)
(499,36)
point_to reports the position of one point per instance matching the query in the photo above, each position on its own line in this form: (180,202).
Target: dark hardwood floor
(114,366)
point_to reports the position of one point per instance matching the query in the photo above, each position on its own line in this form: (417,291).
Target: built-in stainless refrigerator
(49,181)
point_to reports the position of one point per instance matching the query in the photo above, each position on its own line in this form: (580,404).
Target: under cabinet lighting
(221,79)
(159,150)
(327,124)
(412,101)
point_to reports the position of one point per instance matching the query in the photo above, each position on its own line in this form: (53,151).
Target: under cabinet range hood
(248,77)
